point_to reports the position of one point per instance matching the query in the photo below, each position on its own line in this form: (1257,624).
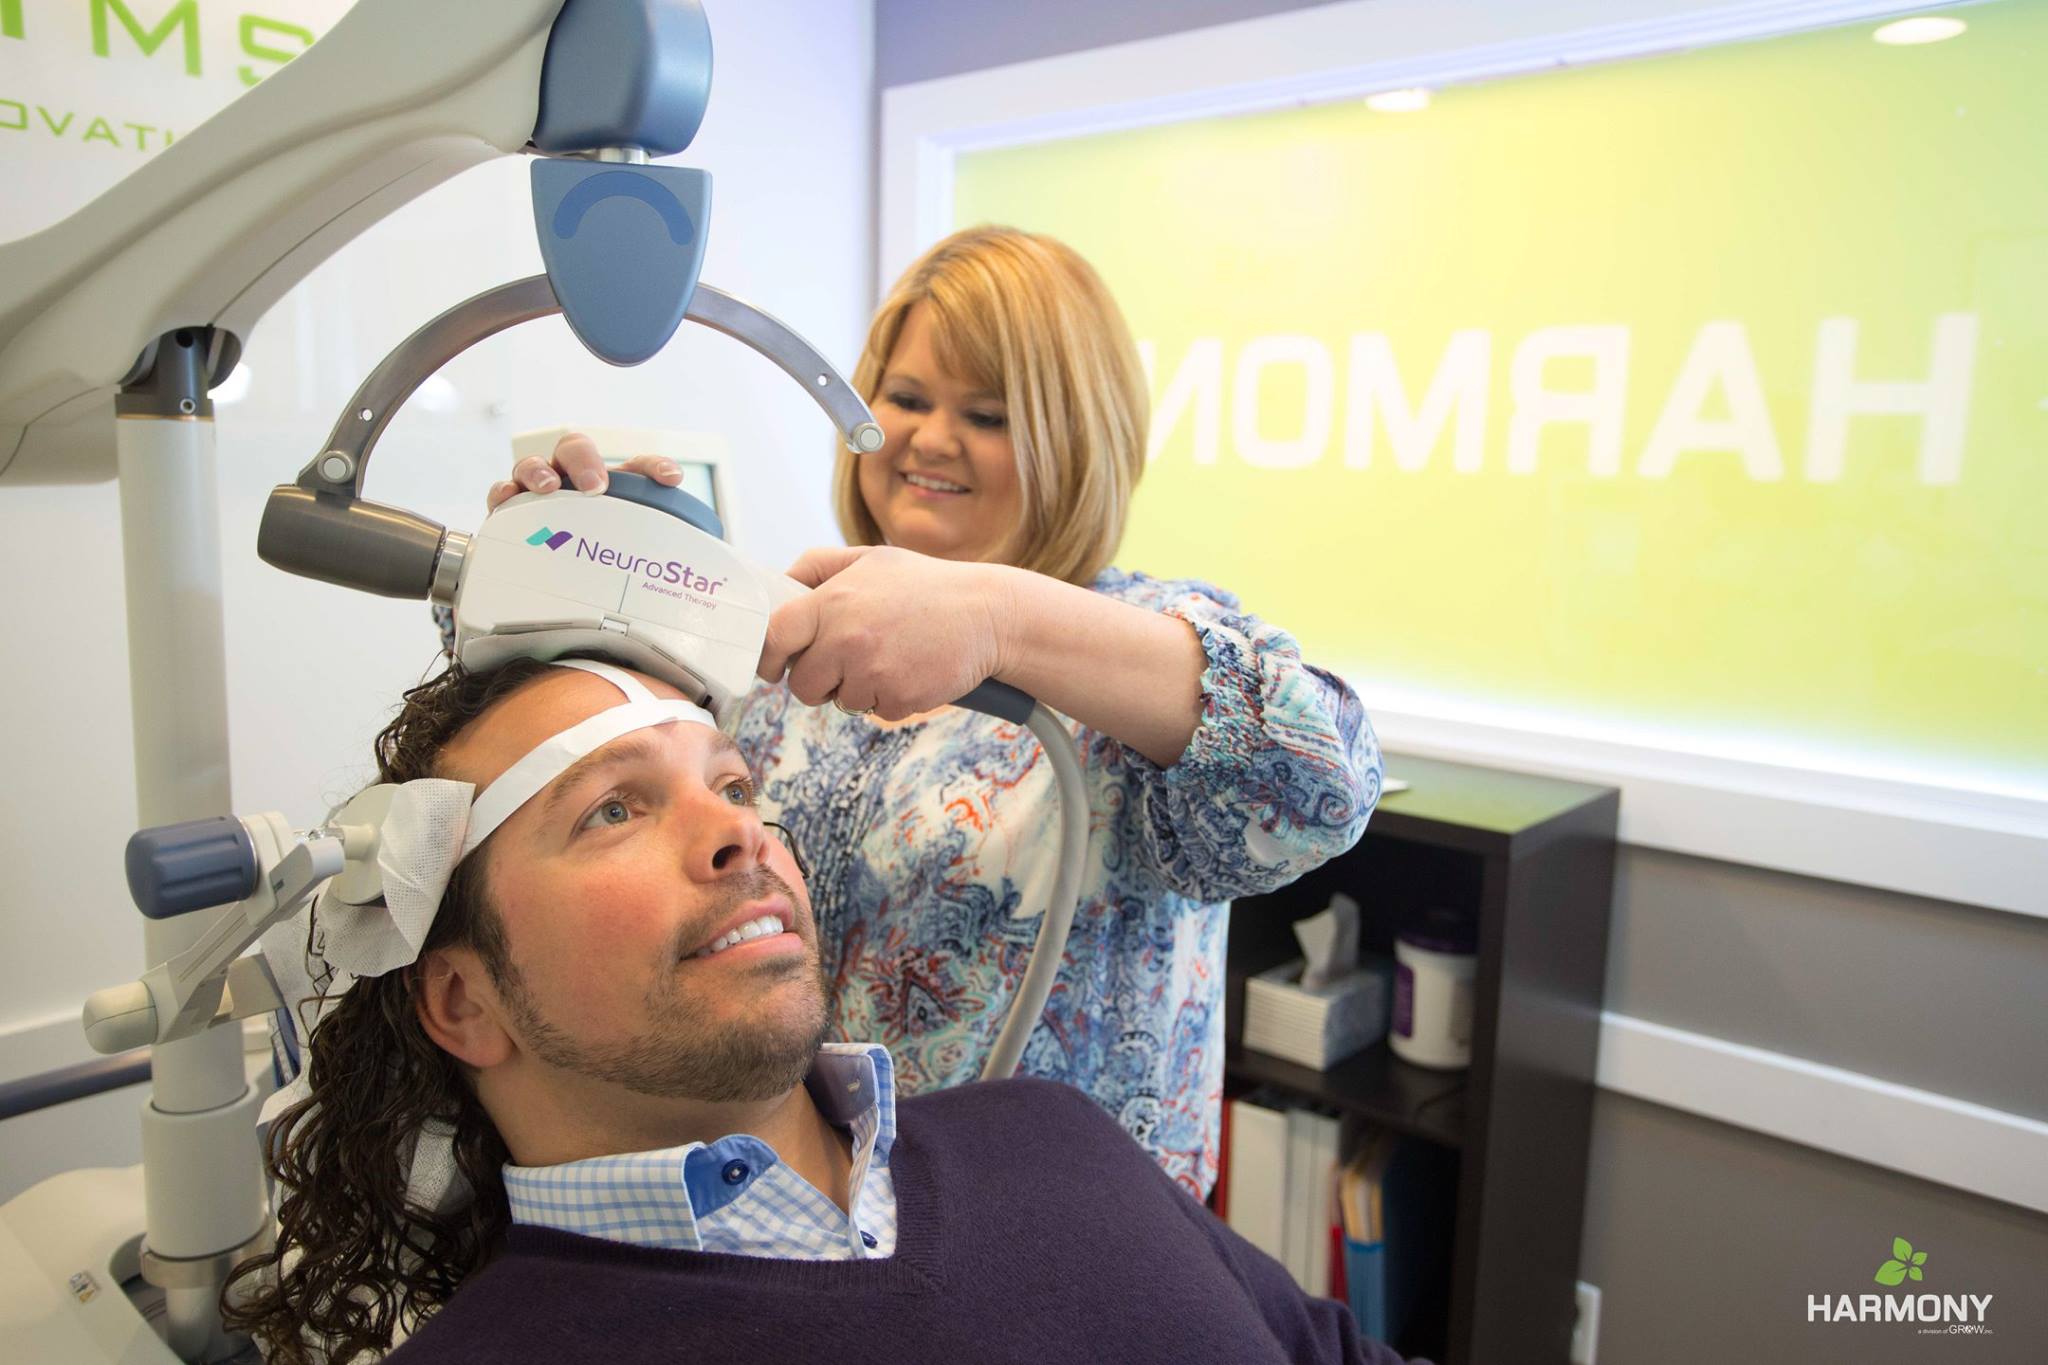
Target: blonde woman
(979,544)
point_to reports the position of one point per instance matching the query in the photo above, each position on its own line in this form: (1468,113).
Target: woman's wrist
(1129,672)
(1010,596)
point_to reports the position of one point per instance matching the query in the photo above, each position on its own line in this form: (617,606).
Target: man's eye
(612,812)
(740,792)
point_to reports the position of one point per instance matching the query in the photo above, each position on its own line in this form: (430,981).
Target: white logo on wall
(1408,416)
(1935,1314)
(91,89)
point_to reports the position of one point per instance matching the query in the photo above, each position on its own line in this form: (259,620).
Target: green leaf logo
(1905,1262)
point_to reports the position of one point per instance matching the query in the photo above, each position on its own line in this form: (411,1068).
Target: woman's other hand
(887,630)
(576,462)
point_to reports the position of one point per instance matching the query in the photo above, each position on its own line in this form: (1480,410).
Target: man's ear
(460,1009)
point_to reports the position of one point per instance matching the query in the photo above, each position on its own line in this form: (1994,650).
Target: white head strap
(373,926)
(550,758)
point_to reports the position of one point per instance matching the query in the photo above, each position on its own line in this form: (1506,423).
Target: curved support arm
(722,312)
(339,467)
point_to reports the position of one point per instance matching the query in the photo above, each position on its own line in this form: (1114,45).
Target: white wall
(313,671)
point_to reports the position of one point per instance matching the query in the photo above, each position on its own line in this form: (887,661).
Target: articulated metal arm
(340,466)
(398,96)
(321,527)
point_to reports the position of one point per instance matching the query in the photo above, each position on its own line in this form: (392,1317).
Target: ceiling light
(1925,28)
(1398,101)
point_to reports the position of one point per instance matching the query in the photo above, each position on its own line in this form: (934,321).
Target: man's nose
(720,838)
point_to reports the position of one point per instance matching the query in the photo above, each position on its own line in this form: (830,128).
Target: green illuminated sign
(183,16)
(123,31)
(1702,396)
(256,33)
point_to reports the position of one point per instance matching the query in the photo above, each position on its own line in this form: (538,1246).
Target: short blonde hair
(1025,317)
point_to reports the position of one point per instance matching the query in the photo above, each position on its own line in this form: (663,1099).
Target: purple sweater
(1031,1228)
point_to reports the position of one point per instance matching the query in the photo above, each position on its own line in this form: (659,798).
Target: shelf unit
(1533,858)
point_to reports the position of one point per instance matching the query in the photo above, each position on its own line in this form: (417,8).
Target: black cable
(789,842)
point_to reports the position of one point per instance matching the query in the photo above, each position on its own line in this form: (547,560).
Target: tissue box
(1317,1028)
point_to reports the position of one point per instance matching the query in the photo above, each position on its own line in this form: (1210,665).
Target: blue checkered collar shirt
(735,1195)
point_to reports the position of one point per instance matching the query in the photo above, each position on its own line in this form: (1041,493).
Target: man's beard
(684,1054)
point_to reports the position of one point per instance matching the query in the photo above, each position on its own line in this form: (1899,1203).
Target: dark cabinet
(1533,859)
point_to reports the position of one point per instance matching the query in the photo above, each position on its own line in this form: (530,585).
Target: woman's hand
(887,630)
(576,461)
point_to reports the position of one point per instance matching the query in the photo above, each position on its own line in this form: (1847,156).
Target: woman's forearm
(1132,674)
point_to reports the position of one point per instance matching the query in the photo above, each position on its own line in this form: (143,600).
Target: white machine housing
(549,574)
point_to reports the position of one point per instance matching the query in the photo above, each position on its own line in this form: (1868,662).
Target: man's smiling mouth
(752,929)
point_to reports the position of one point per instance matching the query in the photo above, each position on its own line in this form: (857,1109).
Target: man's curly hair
(354,1261)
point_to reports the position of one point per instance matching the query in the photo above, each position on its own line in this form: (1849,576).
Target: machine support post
(203,1185)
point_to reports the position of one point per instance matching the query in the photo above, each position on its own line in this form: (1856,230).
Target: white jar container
(1434,963)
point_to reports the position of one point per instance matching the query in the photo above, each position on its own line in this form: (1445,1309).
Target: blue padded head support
(674,501)
(624,73)
(623,245)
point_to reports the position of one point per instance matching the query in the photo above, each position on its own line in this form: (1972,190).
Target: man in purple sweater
(597,1118)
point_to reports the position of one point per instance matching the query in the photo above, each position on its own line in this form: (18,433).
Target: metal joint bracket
(171,377)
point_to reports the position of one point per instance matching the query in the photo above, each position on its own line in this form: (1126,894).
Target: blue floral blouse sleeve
(1281,772)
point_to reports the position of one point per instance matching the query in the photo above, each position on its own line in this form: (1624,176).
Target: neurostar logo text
(660,570)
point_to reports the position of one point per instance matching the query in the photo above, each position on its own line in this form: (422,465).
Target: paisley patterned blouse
(933,847)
